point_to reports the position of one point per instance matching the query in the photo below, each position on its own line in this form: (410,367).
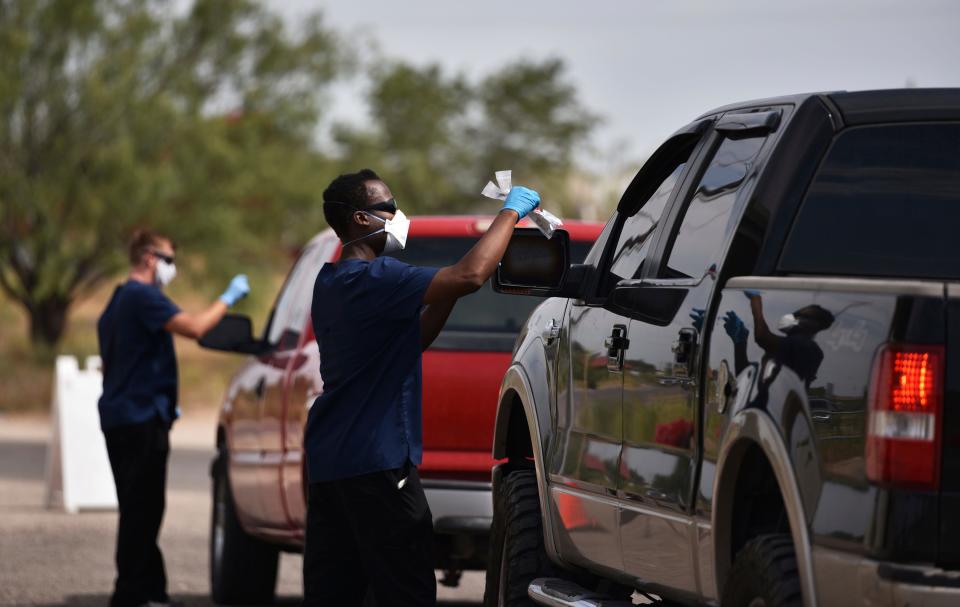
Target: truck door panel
(303,387)
(590,439)
(285,332)
(270,433)
(243,445)
(590,425)
(661,371)
(302,383)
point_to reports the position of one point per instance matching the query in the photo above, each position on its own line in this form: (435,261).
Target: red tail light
(903,426)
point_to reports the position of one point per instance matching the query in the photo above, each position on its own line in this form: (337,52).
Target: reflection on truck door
(658,465)
(590,428)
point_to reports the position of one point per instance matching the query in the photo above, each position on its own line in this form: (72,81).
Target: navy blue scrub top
(139,363)
(366,317)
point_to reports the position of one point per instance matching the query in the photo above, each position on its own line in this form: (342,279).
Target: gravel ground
(51,558)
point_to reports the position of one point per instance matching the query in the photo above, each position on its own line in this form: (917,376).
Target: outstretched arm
(196,325)
(469,274)
(764,337)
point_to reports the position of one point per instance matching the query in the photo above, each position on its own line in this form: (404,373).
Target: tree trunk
(48,320)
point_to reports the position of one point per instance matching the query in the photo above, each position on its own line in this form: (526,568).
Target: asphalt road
(51,558)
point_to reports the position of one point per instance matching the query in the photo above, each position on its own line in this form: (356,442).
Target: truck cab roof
(865,107)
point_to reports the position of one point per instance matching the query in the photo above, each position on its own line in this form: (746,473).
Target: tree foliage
(437,137)
(202,123)
(117,113)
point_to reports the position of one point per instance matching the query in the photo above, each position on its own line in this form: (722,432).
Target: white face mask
(787,322)
(396,229)
(166,272)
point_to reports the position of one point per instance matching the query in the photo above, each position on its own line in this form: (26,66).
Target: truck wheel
(764,574)
(517,555)
(243,569)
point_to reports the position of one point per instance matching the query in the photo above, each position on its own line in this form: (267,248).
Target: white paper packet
(545,221)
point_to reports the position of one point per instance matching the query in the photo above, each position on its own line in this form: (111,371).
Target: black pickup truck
(749,393)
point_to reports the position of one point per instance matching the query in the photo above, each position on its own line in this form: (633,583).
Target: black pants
(366,533)
(138,455)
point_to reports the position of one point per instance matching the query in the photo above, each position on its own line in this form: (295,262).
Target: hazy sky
(650,67)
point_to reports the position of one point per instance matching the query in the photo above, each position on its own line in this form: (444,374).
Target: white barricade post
(78,469)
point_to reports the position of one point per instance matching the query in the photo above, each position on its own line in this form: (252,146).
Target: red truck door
(286,333)
(301,384)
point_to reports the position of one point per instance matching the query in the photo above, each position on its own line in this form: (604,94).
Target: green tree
(117,113)
(533,121)
(416,135)
(437,137)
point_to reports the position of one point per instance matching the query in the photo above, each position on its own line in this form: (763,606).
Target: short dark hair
(819,317)
(142,241)
(350,190)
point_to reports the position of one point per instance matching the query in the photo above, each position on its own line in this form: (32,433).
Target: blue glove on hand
(697,316)
(735,328)
(522,200)
(238,289)
(751,293)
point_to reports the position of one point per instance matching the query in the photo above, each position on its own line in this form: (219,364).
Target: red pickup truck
(258,481)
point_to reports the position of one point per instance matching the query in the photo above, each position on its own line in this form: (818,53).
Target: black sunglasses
(166,258)
(387,206)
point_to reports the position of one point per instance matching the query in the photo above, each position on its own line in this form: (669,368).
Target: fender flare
(516,385)
(754,427)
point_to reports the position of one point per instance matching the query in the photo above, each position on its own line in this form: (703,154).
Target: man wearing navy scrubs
(139,404)
(368,522)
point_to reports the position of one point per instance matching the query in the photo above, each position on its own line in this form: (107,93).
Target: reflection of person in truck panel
(369,526)
(795,349)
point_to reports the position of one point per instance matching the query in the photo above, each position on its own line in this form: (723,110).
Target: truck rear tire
(243,569)
(764,574)
(517,554)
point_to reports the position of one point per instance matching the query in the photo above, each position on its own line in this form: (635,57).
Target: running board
(557,592)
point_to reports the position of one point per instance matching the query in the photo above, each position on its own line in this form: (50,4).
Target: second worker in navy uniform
(139,405)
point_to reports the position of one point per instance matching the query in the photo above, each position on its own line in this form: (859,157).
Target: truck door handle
(684,348)
(551,331)
(616,345)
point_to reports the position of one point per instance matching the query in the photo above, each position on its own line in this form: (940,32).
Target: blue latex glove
(522,200)
(735,328)
(697,315)
(751,293)
(238,289)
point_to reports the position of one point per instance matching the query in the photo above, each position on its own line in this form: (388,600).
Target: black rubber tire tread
(248,570)
(766,567)
(517,521)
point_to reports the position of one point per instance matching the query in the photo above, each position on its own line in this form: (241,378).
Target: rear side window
(886,202)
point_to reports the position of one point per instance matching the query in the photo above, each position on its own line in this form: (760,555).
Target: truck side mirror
(534,265)
(646,302)
(234,333)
